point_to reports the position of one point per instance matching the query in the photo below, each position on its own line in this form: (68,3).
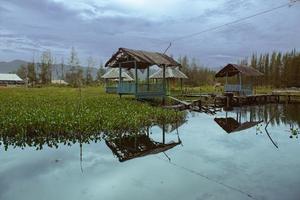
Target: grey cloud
(50,25)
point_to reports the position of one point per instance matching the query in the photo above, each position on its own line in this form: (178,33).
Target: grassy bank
(54,110)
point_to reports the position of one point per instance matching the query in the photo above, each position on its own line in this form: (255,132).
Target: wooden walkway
(210,103)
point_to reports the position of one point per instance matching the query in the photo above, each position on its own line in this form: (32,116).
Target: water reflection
(129,147)
(125,146)
(262,117)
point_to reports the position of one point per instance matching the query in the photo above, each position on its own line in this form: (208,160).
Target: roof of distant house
(62,82)
(10,77)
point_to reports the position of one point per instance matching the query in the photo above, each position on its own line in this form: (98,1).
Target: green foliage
(197,75)
(44,111)
(280,70)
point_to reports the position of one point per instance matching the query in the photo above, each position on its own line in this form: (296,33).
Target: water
(203,162)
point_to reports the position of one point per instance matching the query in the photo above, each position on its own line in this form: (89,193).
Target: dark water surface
(226,156)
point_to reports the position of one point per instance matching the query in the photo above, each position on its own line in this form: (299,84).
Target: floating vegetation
(41,112)
(294,132)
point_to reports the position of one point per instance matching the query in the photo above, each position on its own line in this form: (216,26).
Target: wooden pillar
(240,77)
(120,80)
(148,80)
(136,78)
(163,134)
(181,86)
(164,83)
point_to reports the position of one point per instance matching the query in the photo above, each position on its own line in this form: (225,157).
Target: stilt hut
(172,74)
(240,71)
(111,78)
(141,60)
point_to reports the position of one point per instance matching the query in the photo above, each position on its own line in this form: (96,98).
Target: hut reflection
(128,147)
(239,123)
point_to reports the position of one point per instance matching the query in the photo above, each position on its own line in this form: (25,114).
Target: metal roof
(170,73)
(143,59)
(114,74)
(233,69)
(10,77)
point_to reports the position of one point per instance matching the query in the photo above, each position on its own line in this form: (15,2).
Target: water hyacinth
(44,111)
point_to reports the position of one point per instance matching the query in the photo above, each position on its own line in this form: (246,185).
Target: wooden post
(136,78)
(148,82)
(120,80)
(164,83)
(240,76)
(163,134)
(181,86)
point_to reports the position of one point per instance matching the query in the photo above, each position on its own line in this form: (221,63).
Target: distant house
(59,82)
(10,79)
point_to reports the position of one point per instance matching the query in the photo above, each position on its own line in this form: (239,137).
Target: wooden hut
(172,74)
(111,78)
(141,60)
(240,71)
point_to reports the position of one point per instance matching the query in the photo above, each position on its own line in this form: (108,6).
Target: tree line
(279,69)
(42,72)
(196,73)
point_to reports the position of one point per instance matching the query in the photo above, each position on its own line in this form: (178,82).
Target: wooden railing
(143,90)
(243,90)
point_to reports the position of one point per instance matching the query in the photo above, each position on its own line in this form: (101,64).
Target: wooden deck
(210,103)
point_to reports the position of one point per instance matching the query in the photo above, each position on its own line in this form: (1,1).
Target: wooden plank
(180,101)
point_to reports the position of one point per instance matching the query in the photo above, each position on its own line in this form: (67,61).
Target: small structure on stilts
(240,71)
(141,60)
(172,74)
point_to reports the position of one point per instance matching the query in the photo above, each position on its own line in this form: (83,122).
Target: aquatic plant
(44,111)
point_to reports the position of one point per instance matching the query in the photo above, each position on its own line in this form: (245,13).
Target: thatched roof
(143,59)
(230,125)
(114,74)
(129,147)
(233,69)
(171,73)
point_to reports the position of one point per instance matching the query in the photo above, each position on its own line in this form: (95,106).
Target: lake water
(225,156)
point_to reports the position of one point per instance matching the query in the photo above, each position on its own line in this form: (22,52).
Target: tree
(22,72)
(75,75)
(46,67)
(88,73)
(100,72)
(31,73)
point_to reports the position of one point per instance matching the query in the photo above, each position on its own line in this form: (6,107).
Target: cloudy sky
(98,27)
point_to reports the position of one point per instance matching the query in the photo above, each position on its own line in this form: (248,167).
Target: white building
(10,79)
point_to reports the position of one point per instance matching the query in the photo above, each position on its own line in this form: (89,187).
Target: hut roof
(129,147)
(230,125)
(233,69)
(114,74)
(10,77)
(143,59)
(171,73)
